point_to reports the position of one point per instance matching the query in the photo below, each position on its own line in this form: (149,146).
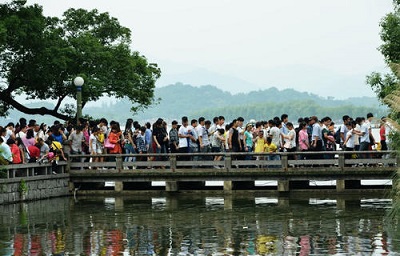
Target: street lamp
(78,82)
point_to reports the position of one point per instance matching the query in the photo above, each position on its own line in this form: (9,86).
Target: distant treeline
(178,100)
(294,110)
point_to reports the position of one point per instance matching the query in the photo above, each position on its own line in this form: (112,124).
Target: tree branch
(60,99)
(32,111)
(12,86)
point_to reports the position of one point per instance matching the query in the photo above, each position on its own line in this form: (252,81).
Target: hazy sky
(323,47)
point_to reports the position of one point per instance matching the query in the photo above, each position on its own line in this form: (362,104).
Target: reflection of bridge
(228,221)
(235,172)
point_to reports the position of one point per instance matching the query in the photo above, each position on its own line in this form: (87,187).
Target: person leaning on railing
(5,153)
(15,151)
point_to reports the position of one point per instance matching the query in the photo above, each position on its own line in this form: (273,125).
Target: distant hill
(179,99)
(209,101)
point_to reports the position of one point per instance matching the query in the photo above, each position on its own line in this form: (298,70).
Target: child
(259,144)
(94,144)
(217,144)
(140,144)
(271,148)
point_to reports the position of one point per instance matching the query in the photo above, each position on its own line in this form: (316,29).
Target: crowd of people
(29,141)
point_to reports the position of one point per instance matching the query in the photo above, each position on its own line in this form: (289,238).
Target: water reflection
(198,225)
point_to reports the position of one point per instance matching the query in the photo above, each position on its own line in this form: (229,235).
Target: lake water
(187,224)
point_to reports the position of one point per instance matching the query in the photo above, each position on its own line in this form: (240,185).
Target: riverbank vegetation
(387,87)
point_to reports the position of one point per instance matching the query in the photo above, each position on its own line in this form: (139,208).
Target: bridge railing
(229,161)
(34,169)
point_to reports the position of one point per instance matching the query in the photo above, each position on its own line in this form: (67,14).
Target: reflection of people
(305,245)
(290,245)
(266,245)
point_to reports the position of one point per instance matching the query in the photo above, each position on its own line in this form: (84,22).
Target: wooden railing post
(228,162)
(68,166)
(172,162)
(119,163)
(284,161)
(341,160)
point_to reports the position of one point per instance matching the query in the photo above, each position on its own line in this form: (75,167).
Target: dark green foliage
(40,56)
(384,84)
(3,172)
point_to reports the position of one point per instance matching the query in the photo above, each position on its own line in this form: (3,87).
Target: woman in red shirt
(15,151)
(114,137)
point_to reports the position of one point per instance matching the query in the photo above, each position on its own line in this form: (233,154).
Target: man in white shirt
(364,137)
(213,127)
(193,143)
(221,122)
(343,129)
(76,138)
(317,143)
(184,138)
(275,133)
(9,132)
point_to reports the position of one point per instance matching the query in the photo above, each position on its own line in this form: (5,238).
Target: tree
(384,84)
(40,56)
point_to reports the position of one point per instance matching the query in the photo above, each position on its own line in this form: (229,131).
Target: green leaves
(384,84)
(40,56)
(390,35)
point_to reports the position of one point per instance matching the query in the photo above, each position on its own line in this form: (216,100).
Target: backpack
(56,151)
(337,135)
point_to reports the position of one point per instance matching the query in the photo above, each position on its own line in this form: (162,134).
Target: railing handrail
(337,152)
(231,159)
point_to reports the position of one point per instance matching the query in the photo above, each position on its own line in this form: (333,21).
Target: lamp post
(78,82)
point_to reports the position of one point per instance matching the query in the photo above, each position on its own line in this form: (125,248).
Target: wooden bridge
(235,172)
(293,171)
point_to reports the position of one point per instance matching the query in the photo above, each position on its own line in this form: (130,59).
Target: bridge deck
(233,169)
(319,166)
